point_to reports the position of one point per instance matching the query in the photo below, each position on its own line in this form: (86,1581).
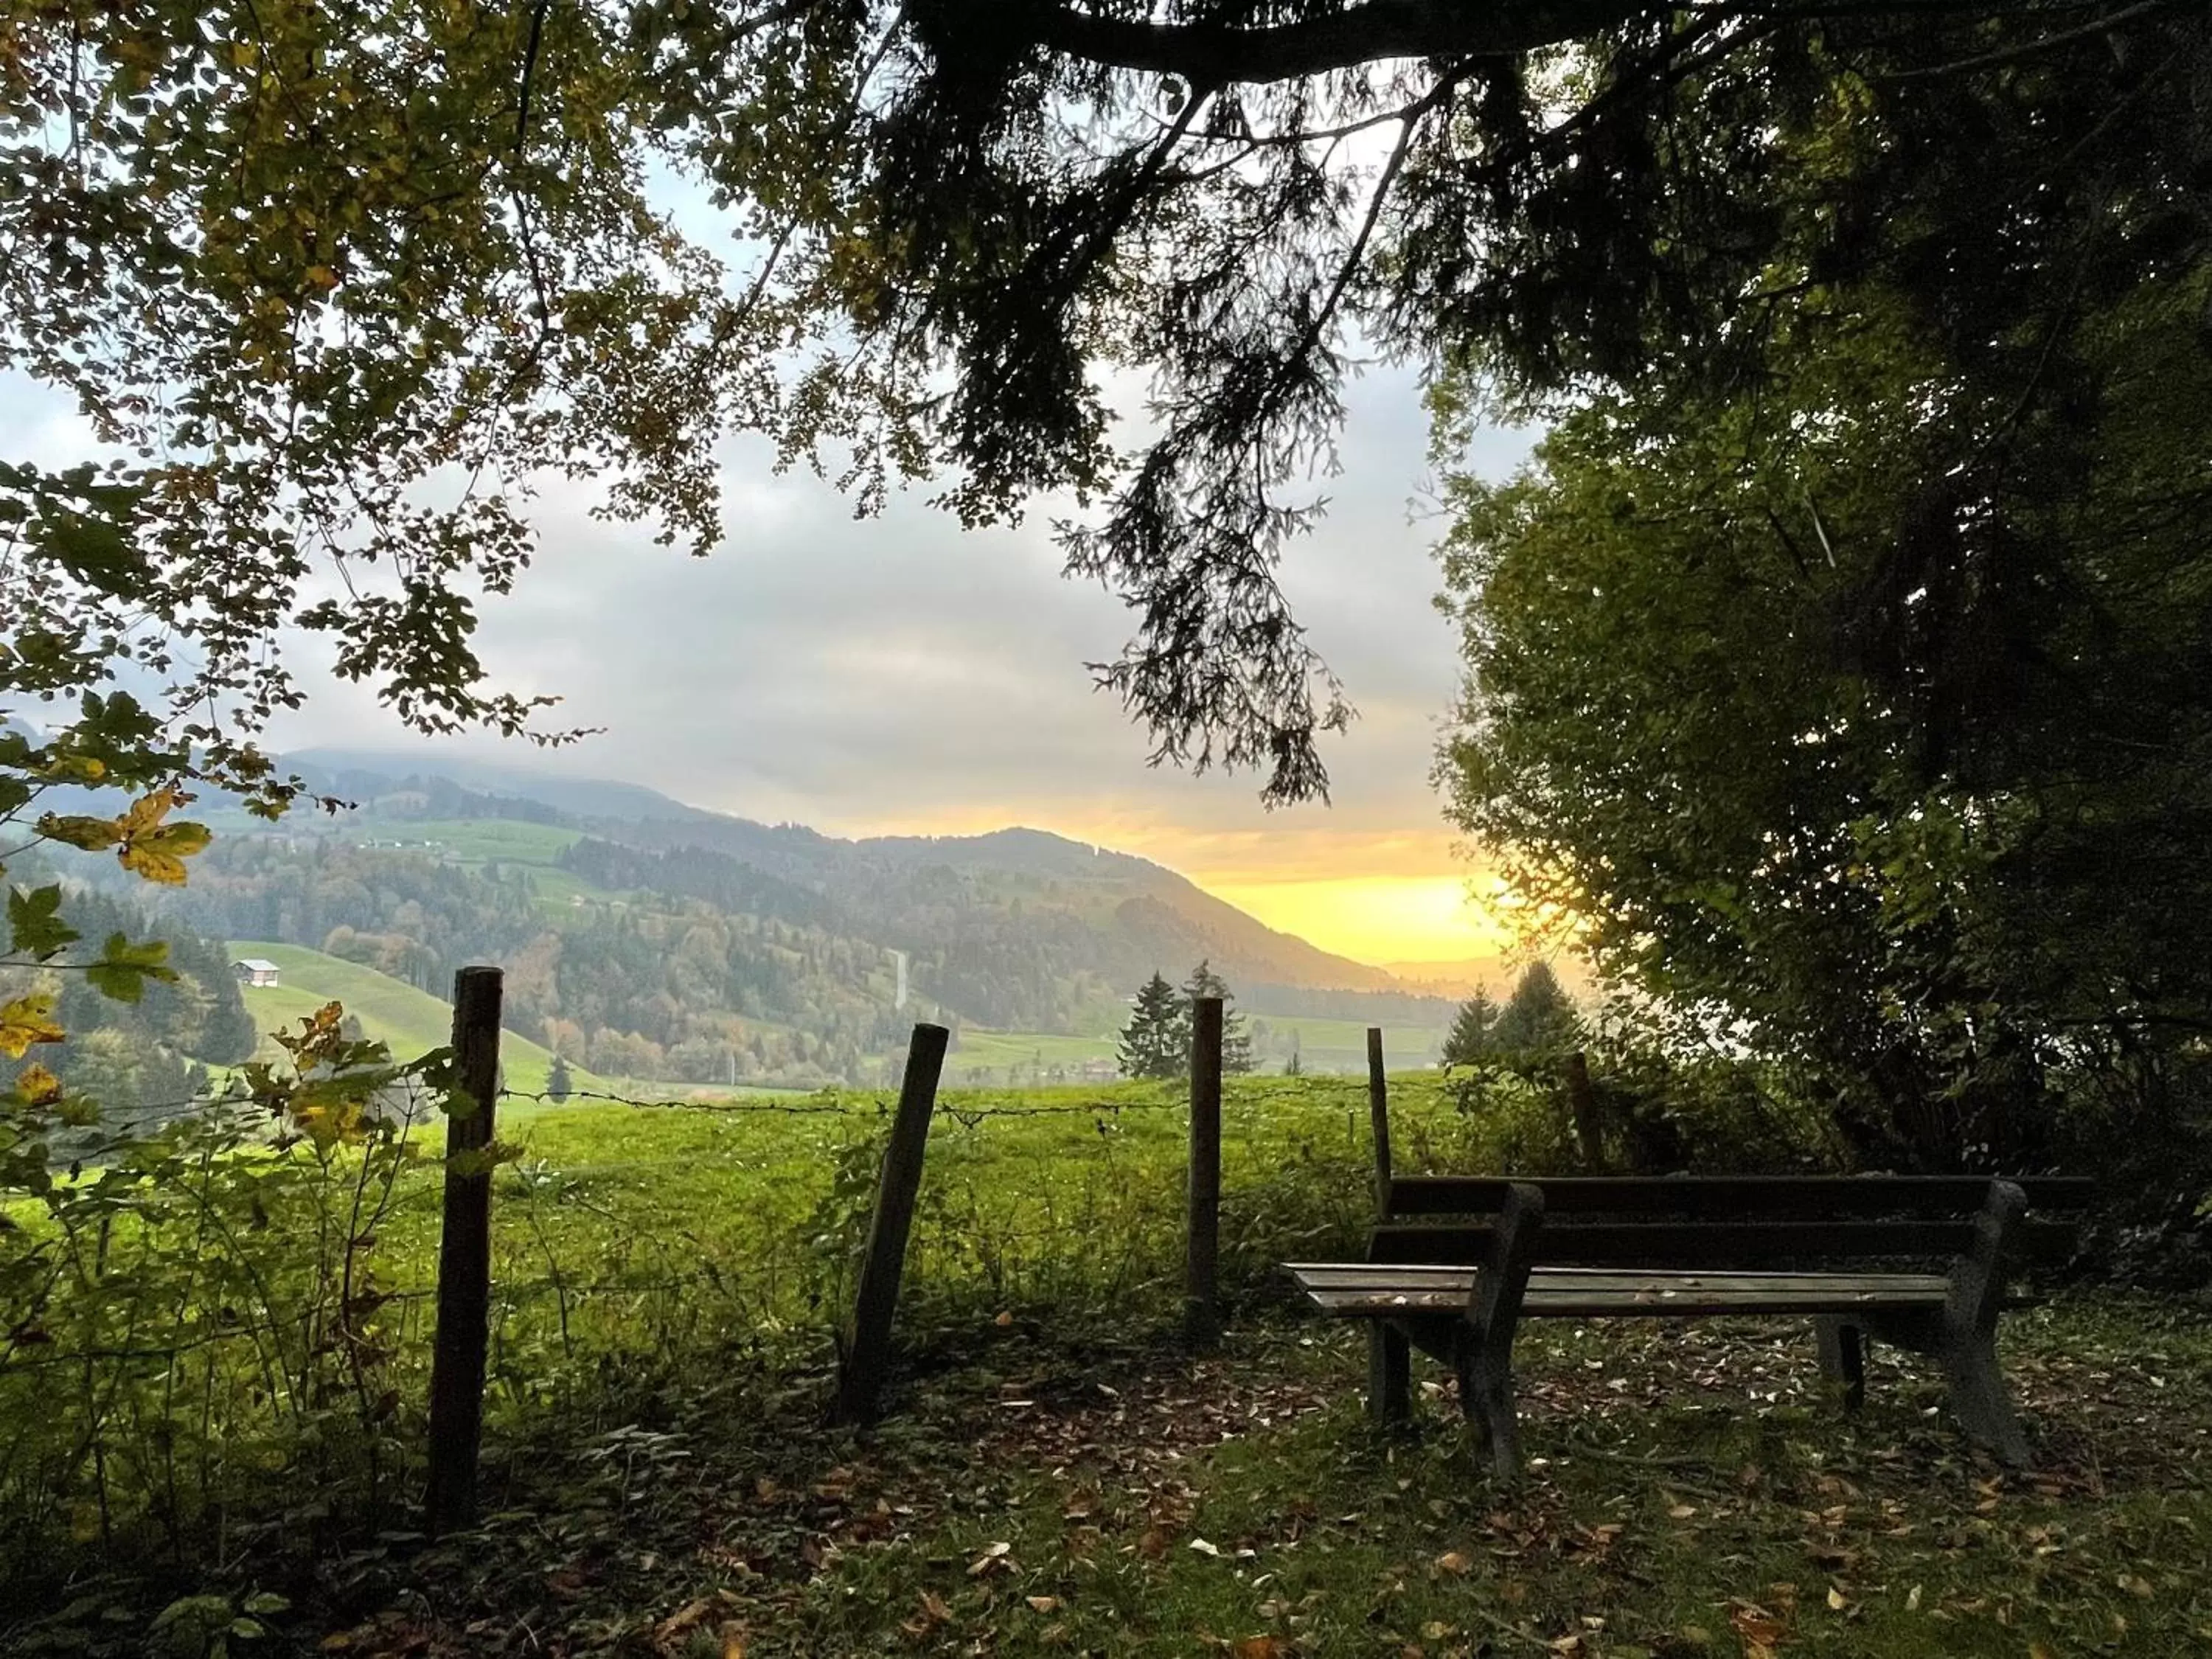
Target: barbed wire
(968,1115)
(730,1104)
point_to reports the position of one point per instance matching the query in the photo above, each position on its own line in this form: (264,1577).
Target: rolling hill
(410,1021)
(652,939)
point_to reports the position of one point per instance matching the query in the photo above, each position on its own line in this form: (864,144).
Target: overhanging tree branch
(1210,54)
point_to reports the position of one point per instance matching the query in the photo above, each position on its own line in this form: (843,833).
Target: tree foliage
(1156,1042)
(339,288)
(1469,1038)
(1851,703)
(1236,1039)
(1539,1017)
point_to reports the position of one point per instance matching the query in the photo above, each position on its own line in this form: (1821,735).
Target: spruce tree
(559,1085)
(1473,1034)
(1539,1015)
(1236,1041)
(1156,1042)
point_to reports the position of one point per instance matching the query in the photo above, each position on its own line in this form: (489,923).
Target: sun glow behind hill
(1376,919)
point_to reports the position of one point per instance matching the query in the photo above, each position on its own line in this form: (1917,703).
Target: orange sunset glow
(1378,918)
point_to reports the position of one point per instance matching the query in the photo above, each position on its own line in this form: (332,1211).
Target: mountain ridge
(1010,856)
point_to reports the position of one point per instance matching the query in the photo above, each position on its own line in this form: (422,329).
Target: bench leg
(1486,1394)
(1483,1352)
(1843,1356)
(1969,1328)
(1390,1374)
(1978,1396)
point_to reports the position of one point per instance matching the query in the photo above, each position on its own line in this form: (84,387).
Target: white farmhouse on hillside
(254,970)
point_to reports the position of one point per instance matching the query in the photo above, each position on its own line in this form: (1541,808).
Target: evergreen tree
(1538,1015)
(1236,1041)
(1473,1034)
(230,1035)
(1294,1067)
(558,1084)
(1156,1042)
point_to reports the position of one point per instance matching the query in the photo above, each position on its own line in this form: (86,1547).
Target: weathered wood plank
(1688,1245)
(866,1362)
(1356,1276)
(1565,1301)
(1733,1197)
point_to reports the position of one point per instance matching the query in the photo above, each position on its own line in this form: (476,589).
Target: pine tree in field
(1473,1033)
(1538,1015)
(559,1085)
(1236,1041)
(1156,1042)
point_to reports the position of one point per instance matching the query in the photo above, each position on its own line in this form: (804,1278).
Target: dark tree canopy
(340,282)
(1847,687)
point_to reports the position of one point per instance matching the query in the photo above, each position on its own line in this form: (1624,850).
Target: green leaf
(124,968)
(35,927)
(76,831)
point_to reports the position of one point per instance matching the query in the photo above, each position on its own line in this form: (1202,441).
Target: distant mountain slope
(645,932)
(354,772)
(898,888)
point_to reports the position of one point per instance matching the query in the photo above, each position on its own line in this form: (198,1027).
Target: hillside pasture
(409,1021)
(468,840)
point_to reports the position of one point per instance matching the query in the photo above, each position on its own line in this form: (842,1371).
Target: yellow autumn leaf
(146,812)
(156,850)
(37,1086)
(322,276)
(160,856)
(75,830)
(26,1021)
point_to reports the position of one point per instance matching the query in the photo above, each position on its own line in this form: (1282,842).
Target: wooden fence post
(1378,1113)
(861,1378)
(1201,1300)
(1581,1104)
(457,1360)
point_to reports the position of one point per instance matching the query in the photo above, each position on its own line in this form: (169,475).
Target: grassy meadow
(409,1021)
(238,1410)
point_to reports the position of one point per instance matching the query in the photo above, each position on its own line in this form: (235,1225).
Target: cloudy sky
(898,674)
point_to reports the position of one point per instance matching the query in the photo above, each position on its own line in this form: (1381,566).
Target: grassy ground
(1690,1492)
(411,1022)
(1056,1477)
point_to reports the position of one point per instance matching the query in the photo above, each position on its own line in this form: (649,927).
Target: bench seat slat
(1712,1244)
(1594,1305)
(1728,1198)
(1360,1276)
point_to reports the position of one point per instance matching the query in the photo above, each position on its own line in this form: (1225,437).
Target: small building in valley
(254,970)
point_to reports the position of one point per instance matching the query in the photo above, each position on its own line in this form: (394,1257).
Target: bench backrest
(1721,1222)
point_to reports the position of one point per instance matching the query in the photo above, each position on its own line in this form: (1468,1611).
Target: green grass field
(474,840)
(409,1021)
(1056,1475)
(1325,1048)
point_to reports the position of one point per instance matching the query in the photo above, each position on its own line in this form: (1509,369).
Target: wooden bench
(1456,1264)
